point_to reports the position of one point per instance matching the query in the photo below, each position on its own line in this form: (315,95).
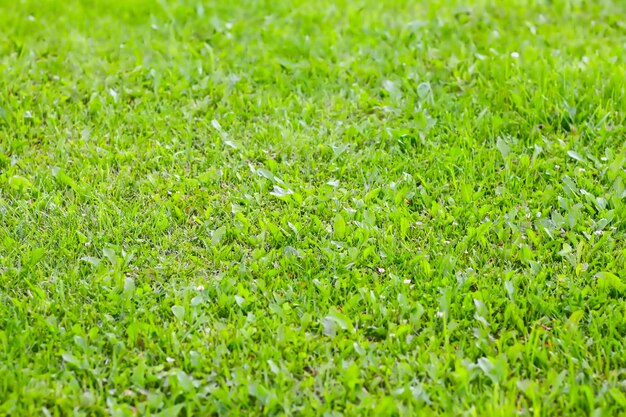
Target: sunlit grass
(308,208)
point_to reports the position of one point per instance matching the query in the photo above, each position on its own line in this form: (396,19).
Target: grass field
(312,208)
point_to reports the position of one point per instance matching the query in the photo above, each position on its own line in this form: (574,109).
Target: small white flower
(200,287)
(514,55)
(407,281)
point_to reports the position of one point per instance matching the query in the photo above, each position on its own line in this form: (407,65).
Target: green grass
(312,208)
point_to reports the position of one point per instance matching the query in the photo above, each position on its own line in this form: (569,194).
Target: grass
(312,208)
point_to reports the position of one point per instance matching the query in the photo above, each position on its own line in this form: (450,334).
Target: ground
(312,208)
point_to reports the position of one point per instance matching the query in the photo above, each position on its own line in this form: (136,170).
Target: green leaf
(495,369)
(239,300)
(618,396)
(329,327)
(179,312)
(392,89)
(173,411)
(186,382)
(91,260)
(110,255)
(281,192)
(197,300)
(19,183)
(610,281)
(339,227)
(340,320)
(72,360)
(36,255)
(503,147)
(352,376)
(575,155)
(138,376)
(575,318)
(129,287)
(424,90)
(386,406)
(217,235)
(63,178)
(265,173)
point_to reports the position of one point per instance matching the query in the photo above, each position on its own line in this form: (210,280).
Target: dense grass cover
(312,208)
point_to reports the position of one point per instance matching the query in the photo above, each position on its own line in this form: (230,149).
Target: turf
(312,208)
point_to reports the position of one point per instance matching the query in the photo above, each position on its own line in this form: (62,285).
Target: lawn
(316,208)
